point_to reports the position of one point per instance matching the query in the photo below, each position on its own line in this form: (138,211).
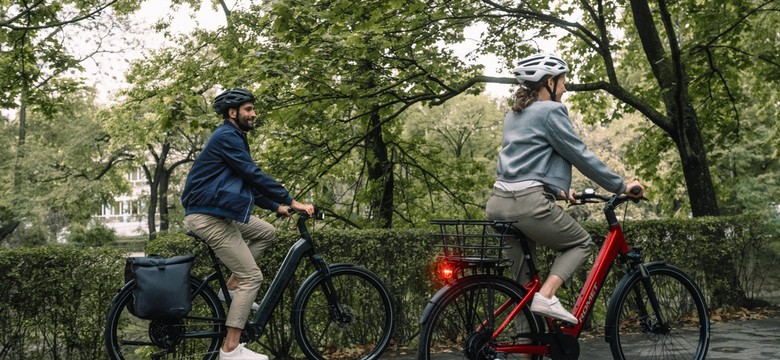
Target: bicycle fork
(655,325)
(336,310)
(658,324)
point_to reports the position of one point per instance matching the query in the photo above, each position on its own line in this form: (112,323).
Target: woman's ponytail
(526,94)
(523,98)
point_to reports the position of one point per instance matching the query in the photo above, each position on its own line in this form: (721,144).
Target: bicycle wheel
(635,330)
(457,326)
(199,335)
(361,330)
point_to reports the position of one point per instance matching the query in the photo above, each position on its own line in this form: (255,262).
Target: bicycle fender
(444,293)
(129,285)
(609,331)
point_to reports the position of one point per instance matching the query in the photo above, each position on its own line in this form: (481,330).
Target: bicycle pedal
(563,323)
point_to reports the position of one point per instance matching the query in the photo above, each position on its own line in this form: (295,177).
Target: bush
(97,235)
(55,298)
(54,301)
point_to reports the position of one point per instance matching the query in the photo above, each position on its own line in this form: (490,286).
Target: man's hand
(308,208)
(284,211)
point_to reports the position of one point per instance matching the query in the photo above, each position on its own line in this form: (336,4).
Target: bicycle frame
(302,248)
(614,245)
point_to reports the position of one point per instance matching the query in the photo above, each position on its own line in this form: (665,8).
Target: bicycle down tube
(301,249)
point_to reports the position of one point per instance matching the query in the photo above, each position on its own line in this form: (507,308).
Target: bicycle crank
(562,346)
(166,334)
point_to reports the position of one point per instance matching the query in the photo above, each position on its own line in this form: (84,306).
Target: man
(221,189)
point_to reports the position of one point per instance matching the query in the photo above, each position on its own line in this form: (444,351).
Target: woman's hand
(632,185)
(571,198)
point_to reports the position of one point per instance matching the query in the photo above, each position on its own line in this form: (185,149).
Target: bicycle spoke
(367,308)
(456,328)
(675,328)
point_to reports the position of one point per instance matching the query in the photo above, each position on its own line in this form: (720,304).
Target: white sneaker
(241,353)
(221,296)
(552,308)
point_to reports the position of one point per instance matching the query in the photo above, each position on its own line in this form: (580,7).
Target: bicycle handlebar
(612,202)
(590,196)
(318,214)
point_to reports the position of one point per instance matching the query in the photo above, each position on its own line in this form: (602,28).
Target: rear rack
(474,243)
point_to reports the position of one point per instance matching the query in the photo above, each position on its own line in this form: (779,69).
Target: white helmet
(533,68)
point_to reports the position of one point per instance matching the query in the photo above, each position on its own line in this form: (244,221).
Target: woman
(538,149)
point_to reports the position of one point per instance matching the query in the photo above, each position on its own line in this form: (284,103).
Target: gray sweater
(539,143)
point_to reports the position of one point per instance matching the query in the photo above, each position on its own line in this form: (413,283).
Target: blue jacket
(224,180)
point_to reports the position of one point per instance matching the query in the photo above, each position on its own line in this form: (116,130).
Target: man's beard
(245,124)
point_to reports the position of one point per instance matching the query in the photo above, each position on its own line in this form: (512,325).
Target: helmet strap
(554,90)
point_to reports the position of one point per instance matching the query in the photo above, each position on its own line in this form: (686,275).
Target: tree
(67,169)
(34,51)
(335,78)
(165,117)
(345,72)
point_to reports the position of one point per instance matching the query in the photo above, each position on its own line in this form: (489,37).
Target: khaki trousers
(238,246)
(535,213)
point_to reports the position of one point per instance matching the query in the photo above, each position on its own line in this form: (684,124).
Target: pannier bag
(162,286)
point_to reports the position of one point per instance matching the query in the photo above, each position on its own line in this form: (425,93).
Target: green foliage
(29,236)
(96,235)
(55,300)
(55,182)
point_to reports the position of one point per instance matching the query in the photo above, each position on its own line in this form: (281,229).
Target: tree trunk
(698,180)
(680,120)
(380,173)
(7,228)
(163,195)
(151,209)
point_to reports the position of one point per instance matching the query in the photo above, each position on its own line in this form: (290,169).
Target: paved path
(737,339)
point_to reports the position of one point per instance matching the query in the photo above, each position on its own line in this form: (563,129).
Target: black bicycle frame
(303,248)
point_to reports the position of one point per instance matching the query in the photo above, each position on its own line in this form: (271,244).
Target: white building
(126,214)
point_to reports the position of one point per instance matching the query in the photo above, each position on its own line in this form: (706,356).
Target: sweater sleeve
(567,144)
(237,157)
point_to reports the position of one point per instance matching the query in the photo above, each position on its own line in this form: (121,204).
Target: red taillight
(446,272)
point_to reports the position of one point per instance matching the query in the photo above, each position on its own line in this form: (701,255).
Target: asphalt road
(737,339)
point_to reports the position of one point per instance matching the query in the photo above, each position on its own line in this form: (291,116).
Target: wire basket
(474,242)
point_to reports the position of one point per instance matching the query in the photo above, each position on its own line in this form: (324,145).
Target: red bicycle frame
(614,245)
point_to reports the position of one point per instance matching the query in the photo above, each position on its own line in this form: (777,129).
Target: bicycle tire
(634,331)
(366,300)
(199,335)
(452,327)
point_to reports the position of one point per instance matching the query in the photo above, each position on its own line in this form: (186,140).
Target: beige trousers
(238,246)
(535,213)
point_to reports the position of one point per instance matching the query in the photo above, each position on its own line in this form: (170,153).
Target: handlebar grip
(636,190)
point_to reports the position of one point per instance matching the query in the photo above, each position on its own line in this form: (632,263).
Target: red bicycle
(656,312)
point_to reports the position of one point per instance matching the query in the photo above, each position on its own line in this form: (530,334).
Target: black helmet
(231,98)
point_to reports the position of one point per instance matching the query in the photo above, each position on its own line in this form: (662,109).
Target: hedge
(55,298)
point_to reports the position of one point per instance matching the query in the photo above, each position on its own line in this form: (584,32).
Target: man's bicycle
(656,311)
(341,311)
